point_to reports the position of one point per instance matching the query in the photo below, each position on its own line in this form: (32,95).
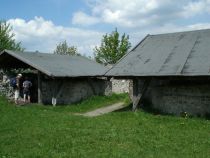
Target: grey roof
(57,65)
(172,54)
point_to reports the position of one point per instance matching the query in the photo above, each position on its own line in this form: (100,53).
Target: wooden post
(135,93)
(39,87)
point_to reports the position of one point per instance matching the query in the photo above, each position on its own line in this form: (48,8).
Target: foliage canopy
(7,40)
(64,49)
(112,48)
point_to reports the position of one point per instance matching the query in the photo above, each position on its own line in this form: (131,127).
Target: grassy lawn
(93,103)
(44,131)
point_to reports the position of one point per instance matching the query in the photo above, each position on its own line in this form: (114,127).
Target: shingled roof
(172,54)
(51,64)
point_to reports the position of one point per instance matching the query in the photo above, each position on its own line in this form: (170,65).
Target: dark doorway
(34,89)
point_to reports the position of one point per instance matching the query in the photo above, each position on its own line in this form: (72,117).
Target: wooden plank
(138,94)
(135,93)
(39,87)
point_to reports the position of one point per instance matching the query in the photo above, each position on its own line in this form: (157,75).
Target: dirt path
(104,110)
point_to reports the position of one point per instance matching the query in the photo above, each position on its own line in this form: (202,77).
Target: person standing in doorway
(16,85)
(26,90)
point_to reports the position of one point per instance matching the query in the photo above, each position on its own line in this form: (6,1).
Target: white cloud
(84,19)
(167,28)
(134,17)
(196,7)
(141,13)
(42,35)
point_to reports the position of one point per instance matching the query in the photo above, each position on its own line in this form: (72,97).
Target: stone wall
(177,96)
(120,86)
(68,91)
(5,88)
(8,91)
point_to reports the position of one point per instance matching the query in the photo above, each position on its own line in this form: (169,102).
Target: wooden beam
(138,94)
(39,87)
(135,93)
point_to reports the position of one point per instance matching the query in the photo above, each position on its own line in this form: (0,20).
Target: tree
(64,49)
(112,48)
(7,40)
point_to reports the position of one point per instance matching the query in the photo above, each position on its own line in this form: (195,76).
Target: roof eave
(27,62)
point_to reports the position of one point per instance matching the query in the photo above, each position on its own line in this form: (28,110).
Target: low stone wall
(120,86)
(8,91)
(5,88)
(179,96)
(68,91)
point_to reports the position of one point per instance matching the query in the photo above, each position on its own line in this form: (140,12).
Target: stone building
(120,86)
(170,72)
(60,79)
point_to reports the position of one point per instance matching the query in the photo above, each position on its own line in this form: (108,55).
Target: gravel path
(104,110)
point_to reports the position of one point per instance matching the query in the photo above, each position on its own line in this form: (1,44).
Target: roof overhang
(14,60)
(10,60)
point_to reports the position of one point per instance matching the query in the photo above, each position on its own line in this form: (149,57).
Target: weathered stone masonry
(68,91)
(178,95)
(5,88)
(120,86)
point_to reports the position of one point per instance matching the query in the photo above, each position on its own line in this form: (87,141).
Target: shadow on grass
(125,109)
(153,111)
(143,108)
(148,109)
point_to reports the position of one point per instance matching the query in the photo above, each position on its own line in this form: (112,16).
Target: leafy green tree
(64,49)
(112,48)
(7,40)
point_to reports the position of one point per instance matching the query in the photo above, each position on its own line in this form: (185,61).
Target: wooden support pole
(135,93)
(138,94)
(39,87)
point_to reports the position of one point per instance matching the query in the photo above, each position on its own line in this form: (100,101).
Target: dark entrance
(34,89)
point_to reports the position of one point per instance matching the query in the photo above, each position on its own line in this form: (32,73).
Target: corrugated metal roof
(59,65)
(172,54)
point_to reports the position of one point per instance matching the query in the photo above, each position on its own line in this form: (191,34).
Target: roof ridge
(83,57)
(128,52)
(65,67)
(187,31)
(93,61)
(181,54)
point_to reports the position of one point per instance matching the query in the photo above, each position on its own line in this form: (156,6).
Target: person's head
(19,75)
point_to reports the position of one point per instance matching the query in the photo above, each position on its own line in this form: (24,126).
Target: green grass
(94,103)
(44,131)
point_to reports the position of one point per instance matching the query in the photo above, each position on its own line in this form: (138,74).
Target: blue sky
(59,11)
(41,24)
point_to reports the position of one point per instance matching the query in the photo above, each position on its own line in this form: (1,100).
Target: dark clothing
(26,87)
(26,92)
(27,84)
(13,82)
